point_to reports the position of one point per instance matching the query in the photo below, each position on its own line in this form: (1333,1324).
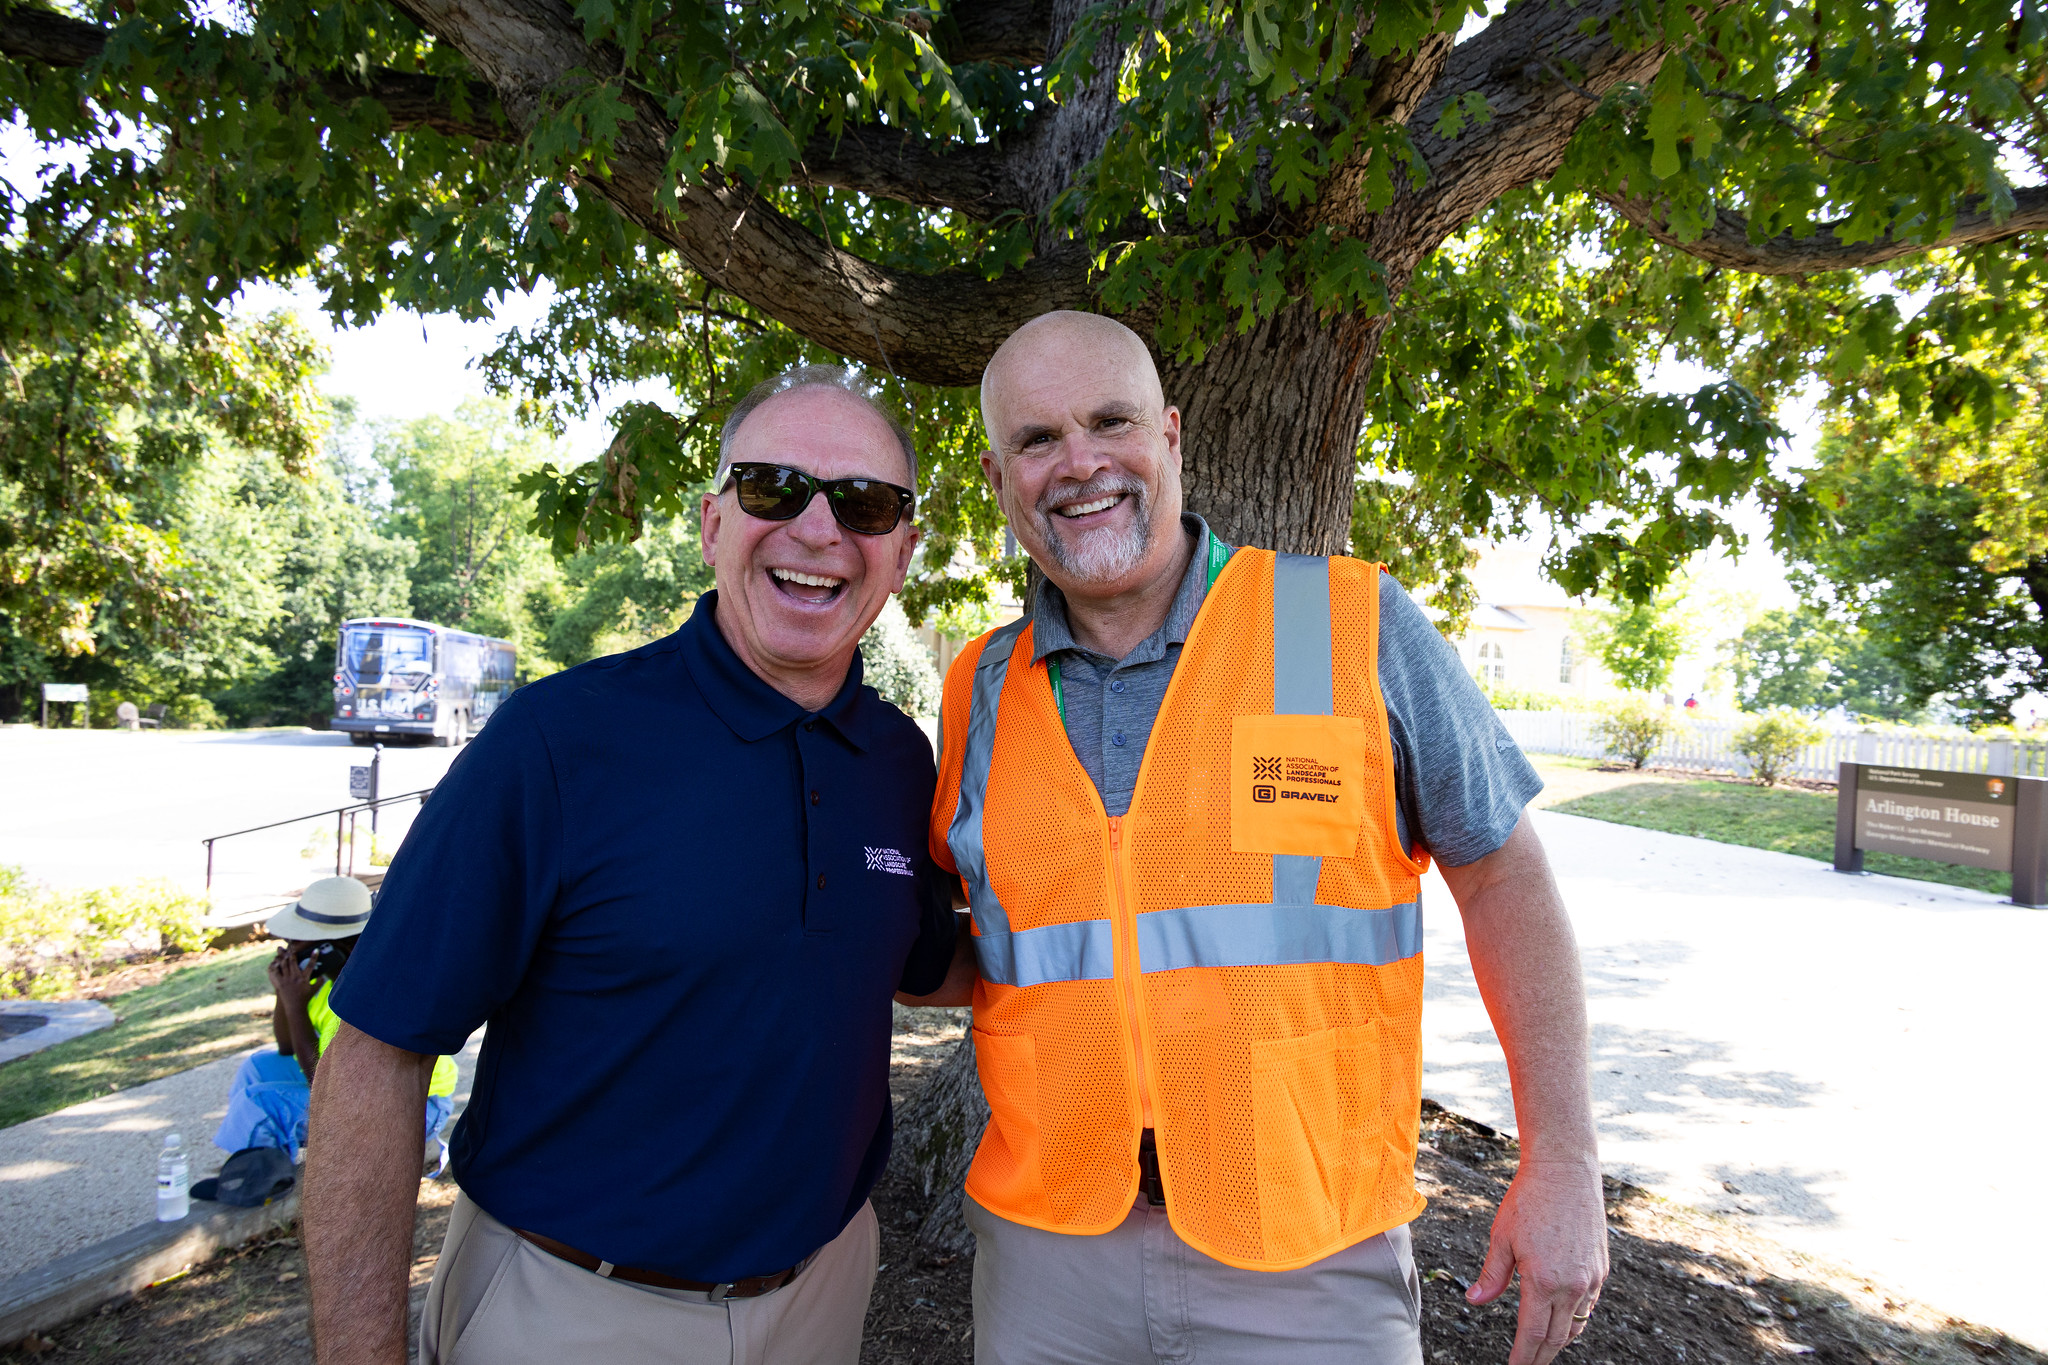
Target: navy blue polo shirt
(682,903)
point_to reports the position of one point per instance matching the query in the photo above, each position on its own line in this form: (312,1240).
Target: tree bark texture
(1269,424)
(936,1134)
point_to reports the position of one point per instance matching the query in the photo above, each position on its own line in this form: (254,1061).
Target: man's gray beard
(1103,555)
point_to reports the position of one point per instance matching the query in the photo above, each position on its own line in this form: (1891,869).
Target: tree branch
(1517,62)
(1727,242)
(934,329)
(412,99)
(894,163)
(1009,32)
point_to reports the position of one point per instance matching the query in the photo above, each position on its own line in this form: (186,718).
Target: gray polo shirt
(1460,782)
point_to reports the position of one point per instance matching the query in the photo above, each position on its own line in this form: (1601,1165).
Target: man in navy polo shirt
(681,885)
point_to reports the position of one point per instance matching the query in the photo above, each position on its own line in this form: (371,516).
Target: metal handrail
(342,815)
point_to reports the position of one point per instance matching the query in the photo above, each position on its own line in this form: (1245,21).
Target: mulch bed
(1686,1287)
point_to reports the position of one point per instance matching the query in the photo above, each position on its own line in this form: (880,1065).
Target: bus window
(378,652)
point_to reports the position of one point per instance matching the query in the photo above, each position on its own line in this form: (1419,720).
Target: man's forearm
(1526,962)
(362,1184)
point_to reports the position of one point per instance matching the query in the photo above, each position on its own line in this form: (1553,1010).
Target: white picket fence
(1709,745)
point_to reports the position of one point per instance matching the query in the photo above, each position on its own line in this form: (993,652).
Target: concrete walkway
(87,1173)
(1860,1058)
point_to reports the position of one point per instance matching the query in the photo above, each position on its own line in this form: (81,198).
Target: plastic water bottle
(173,1182)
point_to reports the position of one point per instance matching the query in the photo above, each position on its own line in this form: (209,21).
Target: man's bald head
(1084,455)
(1062,343)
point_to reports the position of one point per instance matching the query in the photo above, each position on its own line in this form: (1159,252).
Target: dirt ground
(1687,1288)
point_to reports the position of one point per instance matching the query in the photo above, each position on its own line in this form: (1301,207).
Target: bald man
(1189,798)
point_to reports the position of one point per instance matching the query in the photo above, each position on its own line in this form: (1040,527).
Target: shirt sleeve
(1460,780)
(932,955)
(466,900)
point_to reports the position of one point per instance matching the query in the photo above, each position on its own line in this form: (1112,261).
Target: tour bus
(396,677)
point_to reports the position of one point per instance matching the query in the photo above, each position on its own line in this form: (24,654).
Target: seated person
(272,1092)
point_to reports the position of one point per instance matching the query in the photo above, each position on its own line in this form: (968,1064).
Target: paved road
(93,807)
(1860,1057)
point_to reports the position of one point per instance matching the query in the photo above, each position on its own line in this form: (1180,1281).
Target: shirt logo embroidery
(892,860)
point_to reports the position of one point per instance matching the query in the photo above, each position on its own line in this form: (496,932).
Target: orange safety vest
(1250,932)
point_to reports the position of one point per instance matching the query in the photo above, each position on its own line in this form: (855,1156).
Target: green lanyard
(1219,555)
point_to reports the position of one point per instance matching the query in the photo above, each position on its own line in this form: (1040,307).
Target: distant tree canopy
(1639,642)
(1803,660)
(1406,268)
(1937,580)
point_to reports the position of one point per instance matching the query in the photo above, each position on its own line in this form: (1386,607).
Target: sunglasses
(775,492)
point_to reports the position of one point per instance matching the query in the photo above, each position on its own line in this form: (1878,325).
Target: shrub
(1773,740)
(1633,729)
(1506,698)
(49,939)
(896,664)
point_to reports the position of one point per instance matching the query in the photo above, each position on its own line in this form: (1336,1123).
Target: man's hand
(1552,1230)
(1552,1227)
(289,979)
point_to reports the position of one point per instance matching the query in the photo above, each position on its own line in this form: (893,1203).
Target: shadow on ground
(1686,1287)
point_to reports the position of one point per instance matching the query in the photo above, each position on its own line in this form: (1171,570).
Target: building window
(1567,661)
(1493,662)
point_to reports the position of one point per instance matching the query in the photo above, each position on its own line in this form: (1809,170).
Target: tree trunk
(936,1134)
(1269,453)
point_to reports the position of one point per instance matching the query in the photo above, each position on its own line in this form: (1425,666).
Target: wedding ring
(1582,1317)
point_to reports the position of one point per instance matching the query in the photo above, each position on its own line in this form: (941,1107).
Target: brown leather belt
(750,1288)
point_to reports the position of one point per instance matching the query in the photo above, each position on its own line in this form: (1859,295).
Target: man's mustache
(1104,485)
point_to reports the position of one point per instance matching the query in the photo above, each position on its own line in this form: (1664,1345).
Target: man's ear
(1169,428)
(992,470)
(708,521)
(903,554)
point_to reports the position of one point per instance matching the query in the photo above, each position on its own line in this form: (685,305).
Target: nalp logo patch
(891,860)
(1297,784)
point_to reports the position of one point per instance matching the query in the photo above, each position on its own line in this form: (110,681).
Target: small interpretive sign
(1963,818)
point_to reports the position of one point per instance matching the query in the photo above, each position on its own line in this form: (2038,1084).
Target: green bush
(896,664)
(1521,699)
(49,939)
(1633,729)
(1773,740)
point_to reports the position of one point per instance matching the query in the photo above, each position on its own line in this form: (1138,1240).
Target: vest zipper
(1127,928)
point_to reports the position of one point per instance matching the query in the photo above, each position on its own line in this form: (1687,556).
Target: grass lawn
(1783,819)
(194,1015)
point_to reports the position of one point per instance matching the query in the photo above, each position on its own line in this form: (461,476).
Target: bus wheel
(358,737)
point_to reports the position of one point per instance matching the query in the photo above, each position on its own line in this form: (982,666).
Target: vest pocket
(1317,1161)
(1006,1177)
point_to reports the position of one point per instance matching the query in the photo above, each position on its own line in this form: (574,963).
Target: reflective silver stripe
(1277,935)
(1301,636)
(964,836)
(1302,684)
(1083,951)
(1295,877)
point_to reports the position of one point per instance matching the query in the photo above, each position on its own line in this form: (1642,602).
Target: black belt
(752,1287)
(1149,1183)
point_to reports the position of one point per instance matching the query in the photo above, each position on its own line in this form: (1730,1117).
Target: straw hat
(333,907)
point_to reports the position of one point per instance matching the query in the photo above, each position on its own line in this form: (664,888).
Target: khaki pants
(1138,1293)
(499,1300)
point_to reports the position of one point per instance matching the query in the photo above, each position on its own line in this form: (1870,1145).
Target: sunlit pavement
(87,1173)
(98,807)
(1859,1057)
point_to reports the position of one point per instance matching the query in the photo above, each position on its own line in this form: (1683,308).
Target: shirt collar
(744,700)
(1050,632)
